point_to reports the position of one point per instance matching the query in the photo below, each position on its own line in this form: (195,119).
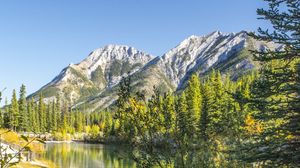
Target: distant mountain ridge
(93,82)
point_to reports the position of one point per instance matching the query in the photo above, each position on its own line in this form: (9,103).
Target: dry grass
(13,138)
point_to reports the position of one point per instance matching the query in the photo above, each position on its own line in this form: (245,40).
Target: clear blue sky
(38,38)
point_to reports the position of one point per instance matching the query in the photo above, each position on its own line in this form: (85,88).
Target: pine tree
(54,116)
(37,119)
(232,117)
(7,115)
(42,114)
(181,130)
(124,94)
(108,129)
(205,111)
(216,116)
(78,121)
(23,118)
(169,113)
(14,112)
(49,116)
(71,120)
(205,143)
(193,95)
(156,115)
(276,92)
(31,115)
(64,117)
(58,112)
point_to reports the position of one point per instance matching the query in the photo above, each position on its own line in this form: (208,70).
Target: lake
(81,155)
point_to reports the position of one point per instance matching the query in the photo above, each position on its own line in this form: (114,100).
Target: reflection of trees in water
(88,155)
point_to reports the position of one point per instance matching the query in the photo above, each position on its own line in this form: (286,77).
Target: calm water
(80,155)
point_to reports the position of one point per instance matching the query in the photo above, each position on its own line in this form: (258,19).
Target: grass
(12,138)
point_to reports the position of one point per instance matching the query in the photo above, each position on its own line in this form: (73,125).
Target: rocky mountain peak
(94,80)
(103,57)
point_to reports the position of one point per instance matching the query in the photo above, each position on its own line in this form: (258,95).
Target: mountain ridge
(93,81)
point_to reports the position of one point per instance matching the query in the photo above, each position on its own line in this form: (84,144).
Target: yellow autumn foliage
(13,138)
(252,126)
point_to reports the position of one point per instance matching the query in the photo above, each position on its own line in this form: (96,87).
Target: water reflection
(80,155)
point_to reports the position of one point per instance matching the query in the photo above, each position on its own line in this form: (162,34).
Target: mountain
(103,68)
(94,81)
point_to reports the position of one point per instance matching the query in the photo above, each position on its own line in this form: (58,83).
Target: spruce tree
(49,116)
(276,92)
(14,112)
(193,94)
(205,111)
(108,125)
(54,116)
(217,107)
(23,118)
(156,114)
(78,121)
(37,119)
(7,114)
(124,94)
(169,113)
(64,117)
(31,115)
(42,114)
(181,130)
(58,111)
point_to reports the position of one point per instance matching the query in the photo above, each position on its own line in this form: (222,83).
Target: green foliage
(64,117)
(98,76)
(23,125)
(168,111)
(41,114)
(203,123)
(14,112)
(50,91)
(95,132)
(274,97)
(207,101)
(194,105)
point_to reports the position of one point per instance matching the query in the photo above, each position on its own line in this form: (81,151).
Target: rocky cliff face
(94,81)
(103,68)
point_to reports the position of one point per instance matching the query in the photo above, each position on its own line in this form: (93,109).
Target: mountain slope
(103,68)
(94,81)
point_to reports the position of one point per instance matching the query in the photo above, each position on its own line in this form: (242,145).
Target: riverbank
(61,137)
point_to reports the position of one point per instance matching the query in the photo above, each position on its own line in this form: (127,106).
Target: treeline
(201,123)
(36,116)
